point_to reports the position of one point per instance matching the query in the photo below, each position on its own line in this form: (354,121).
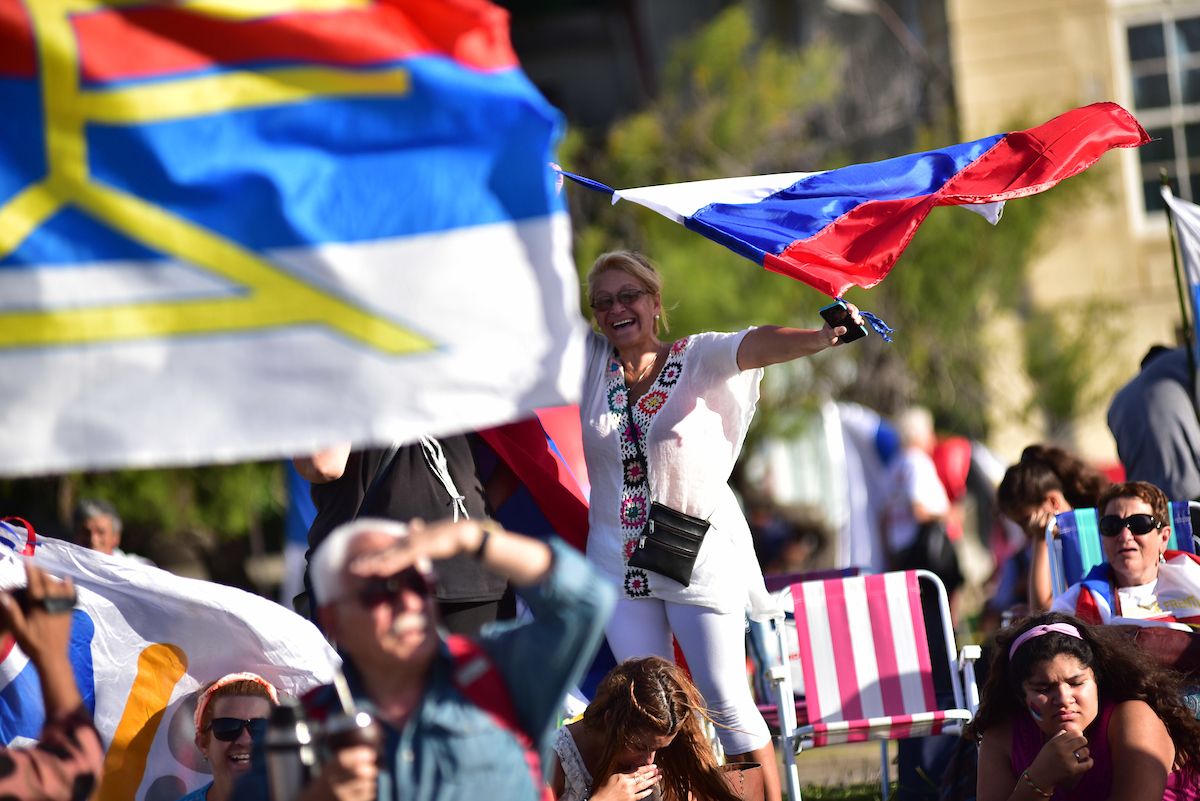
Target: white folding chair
(873,669)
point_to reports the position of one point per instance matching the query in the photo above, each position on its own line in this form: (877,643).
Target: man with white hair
(460,719)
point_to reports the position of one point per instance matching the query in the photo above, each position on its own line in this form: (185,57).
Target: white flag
(273,230)
(143,641)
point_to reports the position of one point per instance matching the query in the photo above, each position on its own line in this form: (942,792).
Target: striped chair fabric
(868,671)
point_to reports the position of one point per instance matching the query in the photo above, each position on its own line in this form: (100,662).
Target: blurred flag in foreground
(847,227)
(1187,231)
(235,230)
(143,641)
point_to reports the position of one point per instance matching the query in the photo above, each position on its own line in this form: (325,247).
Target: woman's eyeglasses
(229,729)
(1112,525)
(626,297)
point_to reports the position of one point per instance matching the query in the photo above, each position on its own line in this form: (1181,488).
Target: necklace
(644,371)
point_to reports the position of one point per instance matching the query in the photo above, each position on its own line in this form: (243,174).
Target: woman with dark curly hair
(642,731)
(1078,713)
(1047,480)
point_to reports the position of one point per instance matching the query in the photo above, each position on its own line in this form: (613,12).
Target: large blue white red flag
(143,641)
(241,229)
(847,227)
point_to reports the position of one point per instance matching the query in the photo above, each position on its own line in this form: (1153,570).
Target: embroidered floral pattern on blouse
(633,512)
(634,473)
(635,495)
(651,402)
(669,375)
(637,583)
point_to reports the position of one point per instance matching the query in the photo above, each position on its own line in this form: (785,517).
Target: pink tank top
(1096,784)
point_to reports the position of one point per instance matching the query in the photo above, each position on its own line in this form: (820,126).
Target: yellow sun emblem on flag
(270,297)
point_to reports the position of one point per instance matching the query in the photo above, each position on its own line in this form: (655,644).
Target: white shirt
(693,419)
(914,480)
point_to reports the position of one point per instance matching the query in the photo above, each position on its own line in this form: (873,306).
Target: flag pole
(1183,314)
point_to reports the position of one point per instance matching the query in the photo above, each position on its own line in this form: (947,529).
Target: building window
(1164,72)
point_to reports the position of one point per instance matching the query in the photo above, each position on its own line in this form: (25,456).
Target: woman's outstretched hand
(833,334)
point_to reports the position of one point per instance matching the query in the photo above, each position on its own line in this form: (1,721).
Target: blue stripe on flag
(72,236)
(22,152)
(346,170)
(809,205)
(22,712)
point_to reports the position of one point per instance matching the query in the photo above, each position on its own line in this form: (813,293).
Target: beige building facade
(1020,62)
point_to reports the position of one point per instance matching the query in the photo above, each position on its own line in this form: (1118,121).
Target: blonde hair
(636,266)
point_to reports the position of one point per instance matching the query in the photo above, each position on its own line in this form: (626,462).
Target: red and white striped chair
(873,669)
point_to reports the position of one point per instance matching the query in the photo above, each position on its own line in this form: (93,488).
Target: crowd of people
(419,588)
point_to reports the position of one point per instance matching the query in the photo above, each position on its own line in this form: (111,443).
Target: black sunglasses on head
(229,729)
(1112,525)
(384,589)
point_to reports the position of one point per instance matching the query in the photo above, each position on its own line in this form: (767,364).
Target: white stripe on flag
(1187,229)
(678,201)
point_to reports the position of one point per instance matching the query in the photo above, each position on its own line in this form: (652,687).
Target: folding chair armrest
(1058,579)
(966,663)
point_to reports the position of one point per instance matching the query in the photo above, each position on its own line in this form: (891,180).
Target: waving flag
(239,229)
(847,227)
(545,454)
(1187,230)
(143,641)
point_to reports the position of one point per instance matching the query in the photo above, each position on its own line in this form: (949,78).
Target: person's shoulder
(1133,711)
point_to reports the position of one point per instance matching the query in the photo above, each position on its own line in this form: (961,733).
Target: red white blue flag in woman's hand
(847,227)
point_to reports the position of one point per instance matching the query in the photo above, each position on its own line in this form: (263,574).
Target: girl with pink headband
(1077,713)
(231,713)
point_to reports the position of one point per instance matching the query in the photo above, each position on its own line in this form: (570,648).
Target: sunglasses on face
(385,589)
(626,297)
(1111,525)
(229,729)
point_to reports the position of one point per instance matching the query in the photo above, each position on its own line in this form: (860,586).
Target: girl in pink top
(1071,711)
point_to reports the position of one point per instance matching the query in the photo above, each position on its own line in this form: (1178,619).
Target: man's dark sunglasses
(1111,525)
(626,297)
(229,729)
(385,589)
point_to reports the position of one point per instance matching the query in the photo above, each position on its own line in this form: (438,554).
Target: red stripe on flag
(523,447)
(885,646)
(1024,163)
(857,250)
(843,649)
(157,41)
(860,248)
(18,55)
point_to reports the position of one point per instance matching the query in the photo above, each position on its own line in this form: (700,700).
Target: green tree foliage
(206,514)
(734,103)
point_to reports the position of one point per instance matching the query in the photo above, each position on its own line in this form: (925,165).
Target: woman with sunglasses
(1135,526)
(664,422)
(231,713)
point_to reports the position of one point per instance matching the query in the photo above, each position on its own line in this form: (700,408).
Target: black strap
(381,470)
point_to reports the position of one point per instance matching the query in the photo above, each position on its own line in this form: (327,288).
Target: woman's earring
(1162,558)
